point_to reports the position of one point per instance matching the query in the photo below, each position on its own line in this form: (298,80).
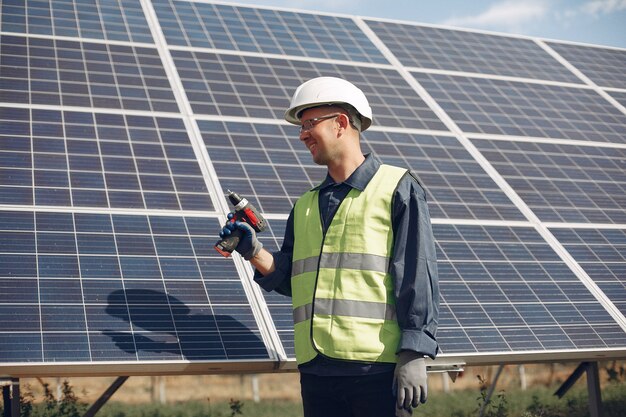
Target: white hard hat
(329,90)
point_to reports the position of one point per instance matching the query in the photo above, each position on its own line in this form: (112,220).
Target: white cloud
(594,8)
(597,7)
(508,15)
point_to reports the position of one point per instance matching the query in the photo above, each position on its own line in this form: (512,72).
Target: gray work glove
(410,382)
(249,246)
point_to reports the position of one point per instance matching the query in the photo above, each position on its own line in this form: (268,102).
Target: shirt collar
(360,177)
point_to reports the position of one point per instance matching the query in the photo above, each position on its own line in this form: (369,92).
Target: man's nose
(304,134)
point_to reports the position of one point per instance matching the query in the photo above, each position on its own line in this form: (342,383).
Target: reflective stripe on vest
(342,292)
(366,309)
(359,261)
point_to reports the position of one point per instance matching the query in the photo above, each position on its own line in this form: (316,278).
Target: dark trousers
(348,396)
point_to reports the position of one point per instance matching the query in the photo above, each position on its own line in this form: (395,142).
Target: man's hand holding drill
(248,245)
(239,232)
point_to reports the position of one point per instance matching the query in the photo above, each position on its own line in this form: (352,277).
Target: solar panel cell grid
(602,254)
(457,187)
(243,86)
(132,282)
(620,97)
(83,74)
(500,107)
(279,305)
(604,66)
(454,50)
(499,281)
(98,160)
(268,164)
(118,20)
(267,31)
(162,294)
(563,182)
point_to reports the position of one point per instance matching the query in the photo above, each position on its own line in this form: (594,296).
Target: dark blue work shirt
(413,267)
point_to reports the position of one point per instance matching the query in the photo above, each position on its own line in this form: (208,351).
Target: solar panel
(563,183)
(602,254)
(504,289)
(456,50)
(219,26)
(619,96)
(83,74)
(278,305)
(122,122)
(116,20)
(604,66)
(282,169)
(479,105)
(242,86)
(85,159)
(94,287)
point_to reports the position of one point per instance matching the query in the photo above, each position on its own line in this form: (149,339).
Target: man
(358,260)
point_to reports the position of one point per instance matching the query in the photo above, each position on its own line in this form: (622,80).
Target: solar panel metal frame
(279,360)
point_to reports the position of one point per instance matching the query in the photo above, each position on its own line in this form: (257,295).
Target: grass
(538,401)
(535,402)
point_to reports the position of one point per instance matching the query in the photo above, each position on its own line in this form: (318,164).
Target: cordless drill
(246,212)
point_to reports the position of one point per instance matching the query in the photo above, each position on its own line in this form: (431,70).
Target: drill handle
(228,244)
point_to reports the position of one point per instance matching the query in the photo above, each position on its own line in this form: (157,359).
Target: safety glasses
(310,123)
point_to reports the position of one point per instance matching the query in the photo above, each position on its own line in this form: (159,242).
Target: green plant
(491,407)
(26,401)
(616,375)
(536,408)
(68,406)
(49,403)
(235,407)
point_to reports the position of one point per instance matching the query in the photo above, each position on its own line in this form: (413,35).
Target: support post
(593,386)
(445,382)
(6,400)
(256,396)
(492,388)
(522,378)
(105,396)
(15,401)
(11,397)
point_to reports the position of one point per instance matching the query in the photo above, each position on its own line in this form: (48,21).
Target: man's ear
(343,120)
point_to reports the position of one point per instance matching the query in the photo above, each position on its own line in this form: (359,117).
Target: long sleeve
(414,269)
(280,279)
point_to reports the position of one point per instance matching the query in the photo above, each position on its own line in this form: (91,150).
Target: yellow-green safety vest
(342,292)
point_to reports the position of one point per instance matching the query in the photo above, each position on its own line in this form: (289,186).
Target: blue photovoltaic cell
(456,186)
(279,305)
(219,26)
(504,289)
(563,183)
(101,287)
(70,73)
(270,165)
(265,163)
(243,86)
(118,20)
(602,254)
(103,260)
(480,105)
(620,97)
(604,66)
(54,158)
(456,50)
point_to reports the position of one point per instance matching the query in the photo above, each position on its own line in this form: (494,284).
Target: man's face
(321,139)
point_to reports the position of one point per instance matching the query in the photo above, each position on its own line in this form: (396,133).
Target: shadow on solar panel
(161,326)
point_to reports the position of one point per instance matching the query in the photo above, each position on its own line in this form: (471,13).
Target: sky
(598,22)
